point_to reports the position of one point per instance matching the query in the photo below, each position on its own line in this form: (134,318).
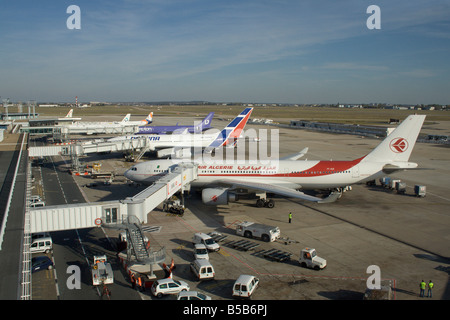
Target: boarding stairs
(135,242)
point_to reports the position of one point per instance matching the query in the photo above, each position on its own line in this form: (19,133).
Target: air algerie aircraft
(221,183)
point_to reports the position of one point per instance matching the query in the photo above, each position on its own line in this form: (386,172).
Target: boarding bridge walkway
(110,213)
(79,149)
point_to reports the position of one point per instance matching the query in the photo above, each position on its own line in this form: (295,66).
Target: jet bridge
(110,213)
(79,149)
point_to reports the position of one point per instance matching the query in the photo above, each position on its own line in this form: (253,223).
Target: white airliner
(222,182)
(125,122)
(179,143)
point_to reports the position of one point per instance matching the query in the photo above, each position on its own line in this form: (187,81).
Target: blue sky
(281,51)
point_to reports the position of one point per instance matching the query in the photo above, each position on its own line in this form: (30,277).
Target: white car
(168,286)
(192,295)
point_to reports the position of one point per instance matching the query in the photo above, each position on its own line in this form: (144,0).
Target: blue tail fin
(232,131)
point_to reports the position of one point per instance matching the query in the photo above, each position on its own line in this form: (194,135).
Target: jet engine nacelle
(217,196)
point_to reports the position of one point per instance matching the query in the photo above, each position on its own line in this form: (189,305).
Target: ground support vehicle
(250,229)
(101,271)
(277,255)
(245,286)
(173,205)
(420,191)
(205,239)
(310,259)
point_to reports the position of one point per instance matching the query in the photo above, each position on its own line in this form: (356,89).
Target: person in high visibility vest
(423,285)
(430,288)
(290,217)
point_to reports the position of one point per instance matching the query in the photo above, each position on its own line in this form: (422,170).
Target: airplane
(124,122)
(146,121)
(224,183)
(179,142)
(204,125)
(68,117)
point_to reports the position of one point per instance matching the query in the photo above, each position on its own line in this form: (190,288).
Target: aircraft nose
(128,174)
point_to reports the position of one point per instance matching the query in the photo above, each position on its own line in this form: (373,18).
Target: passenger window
(163,286)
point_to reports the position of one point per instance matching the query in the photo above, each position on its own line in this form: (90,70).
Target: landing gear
(265,203)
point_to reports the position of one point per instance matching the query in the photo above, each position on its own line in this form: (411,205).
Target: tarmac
(406,236)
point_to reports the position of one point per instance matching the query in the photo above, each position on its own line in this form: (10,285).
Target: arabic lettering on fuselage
(240,168)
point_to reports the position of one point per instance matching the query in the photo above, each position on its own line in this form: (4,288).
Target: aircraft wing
(296,156)
(272,188)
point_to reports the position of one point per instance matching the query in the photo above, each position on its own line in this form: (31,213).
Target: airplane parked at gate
(171,144)
(223,183)
(125,122)
(204,125)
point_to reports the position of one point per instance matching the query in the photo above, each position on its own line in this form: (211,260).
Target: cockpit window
(133,169)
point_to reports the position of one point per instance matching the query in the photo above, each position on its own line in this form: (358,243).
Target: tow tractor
(173,205)
(310,259)
(102,274)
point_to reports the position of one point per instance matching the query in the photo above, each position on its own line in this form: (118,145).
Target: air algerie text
(200,310)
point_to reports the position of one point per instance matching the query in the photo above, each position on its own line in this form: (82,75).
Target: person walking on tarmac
(290,217)
(430,289)
(423,285)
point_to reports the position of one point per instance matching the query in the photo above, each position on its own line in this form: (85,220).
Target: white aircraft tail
(127,118)
(69,114)
(398,145)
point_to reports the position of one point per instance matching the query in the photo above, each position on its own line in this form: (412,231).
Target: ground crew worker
(290,217)
(430,288)
(423,285)
(133,281)
(139,279)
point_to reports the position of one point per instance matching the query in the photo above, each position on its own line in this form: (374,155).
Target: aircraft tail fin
(398,145)
(206,123)
(69,114)
(232,131)
(149,118)
(126,118)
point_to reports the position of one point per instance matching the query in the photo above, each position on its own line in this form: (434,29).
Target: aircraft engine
(217,196)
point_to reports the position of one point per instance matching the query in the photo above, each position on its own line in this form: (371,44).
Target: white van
(200,252)
(245,285)
(42,245)
(202,269)
(203,238)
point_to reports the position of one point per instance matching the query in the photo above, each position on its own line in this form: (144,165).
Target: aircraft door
(355,172)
